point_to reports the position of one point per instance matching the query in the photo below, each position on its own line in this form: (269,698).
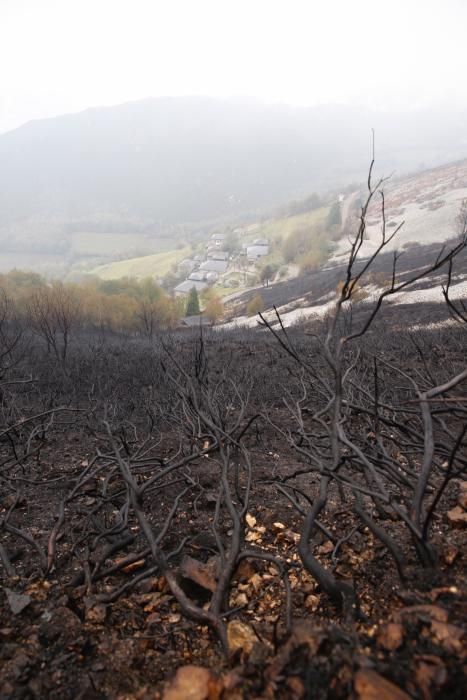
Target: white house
(218,239)
(198,276)
(255,251)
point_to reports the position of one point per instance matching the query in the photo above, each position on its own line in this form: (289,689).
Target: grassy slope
(275,230)
(149,266)
(282,228)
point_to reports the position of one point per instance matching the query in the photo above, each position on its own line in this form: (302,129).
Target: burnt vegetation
(279,505)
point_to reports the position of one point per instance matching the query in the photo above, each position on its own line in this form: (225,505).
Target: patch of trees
(307,246)
(334,215)
(192,304)
(214,309)
(302,206)
(267,273)
(55,310)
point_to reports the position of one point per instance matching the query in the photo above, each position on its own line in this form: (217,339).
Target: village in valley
(225,263)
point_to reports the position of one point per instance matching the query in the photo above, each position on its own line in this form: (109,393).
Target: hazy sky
(59,56)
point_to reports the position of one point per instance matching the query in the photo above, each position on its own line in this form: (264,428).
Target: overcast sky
(59,56)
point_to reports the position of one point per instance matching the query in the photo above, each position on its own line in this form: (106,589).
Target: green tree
(231,243)
(311,261)
(298,243)
(334,216)
(192,304)
(266,274)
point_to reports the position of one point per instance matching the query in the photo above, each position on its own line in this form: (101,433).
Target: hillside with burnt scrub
(253,513)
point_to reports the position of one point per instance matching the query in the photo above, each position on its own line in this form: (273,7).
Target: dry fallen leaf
(204,574)
(153,619)
(240,636)
(449,554)
(278,526)
(256,581)
(250,520)
(369,685)
(174,618)
(96,614)
(39,590)
(391,636)
(155,601)
(161,584)
(289,536)
(457,517)
(312,602)
(134,566)
(238,600)
(305,636)
(193,683)
(245,570)
(294,581)
(253,536)
(326,548)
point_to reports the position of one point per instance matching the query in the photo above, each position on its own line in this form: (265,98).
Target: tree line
(54,309)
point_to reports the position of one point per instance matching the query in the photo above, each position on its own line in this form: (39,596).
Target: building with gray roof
(218,266)
(257,251)
(184,288)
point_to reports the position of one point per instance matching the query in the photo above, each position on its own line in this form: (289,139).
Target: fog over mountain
(154,163)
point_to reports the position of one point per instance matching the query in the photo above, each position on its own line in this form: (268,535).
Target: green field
(156,265)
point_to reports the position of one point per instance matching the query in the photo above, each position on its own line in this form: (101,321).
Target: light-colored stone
(391,636)
(240,636)
(457,517)
(193,683)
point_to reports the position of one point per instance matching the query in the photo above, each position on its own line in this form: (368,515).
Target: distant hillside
(147,169)
(310,297)
(427,205)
